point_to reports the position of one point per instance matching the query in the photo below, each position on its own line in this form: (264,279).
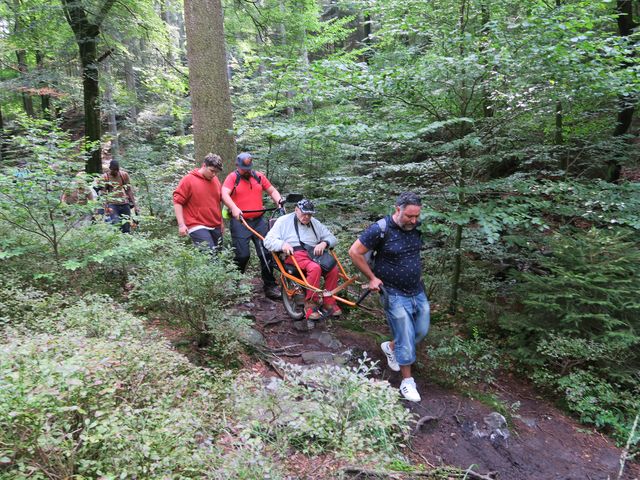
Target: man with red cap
(242,193)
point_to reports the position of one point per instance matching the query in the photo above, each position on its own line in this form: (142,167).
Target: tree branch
(104,10)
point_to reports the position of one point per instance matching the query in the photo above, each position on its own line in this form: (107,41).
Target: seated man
(291,234)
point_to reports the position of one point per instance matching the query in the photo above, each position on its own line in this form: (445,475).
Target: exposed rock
(253,337)
(326,358)
(303,325)
(494,428)
(326,339)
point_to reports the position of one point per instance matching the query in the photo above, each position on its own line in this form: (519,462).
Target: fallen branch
(286,347)
(625,452)
(273,321)
(422,421)
(358,472)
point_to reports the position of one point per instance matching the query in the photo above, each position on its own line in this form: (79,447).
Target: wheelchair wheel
(292,298)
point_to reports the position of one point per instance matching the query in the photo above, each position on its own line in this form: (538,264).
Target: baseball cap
(306,206)
(244,161)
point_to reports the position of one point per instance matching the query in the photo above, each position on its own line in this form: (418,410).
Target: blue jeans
(408,318)
(118,211)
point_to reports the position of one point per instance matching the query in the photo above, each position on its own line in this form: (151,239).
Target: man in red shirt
(196,202)
(242,192)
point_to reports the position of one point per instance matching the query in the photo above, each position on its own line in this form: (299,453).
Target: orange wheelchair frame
(294,284)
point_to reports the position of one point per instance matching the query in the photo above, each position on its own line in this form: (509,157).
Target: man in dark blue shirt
(398,269)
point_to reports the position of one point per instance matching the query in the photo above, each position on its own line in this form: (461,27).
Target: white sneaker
(409,391)
(391,356)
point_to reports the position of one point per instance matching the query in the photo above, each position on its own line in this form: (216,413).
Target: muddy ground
(543,443)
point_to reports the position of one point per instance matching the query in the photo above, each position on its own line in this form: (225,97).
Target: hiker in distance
(118,192)
(196,203)
(242,193)
(394,244)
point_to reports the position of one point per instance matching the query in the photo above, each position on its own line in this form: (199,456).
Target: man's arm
(274,240)
(357,252)
(182,227)
(275,195)
(231,205)
(128,188)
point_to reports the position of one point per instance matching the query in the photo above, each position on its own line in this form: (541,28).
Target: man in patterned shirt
(397,274)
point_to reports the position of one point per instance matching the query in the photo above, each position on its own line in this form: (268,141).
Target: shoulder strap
(383,224)
(255,176)
(123,179)
(295,225)
(235,184)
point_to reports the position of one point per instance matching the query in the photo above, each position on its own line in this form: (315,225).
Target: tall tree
(626,102)
(86,28)
(21,56)
(208,80)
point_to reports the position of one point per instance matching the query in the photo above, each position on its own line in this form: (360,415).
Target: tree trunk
(45,99)
(27,101)
(130,80)
(21,56)
(91,100)
(1,135)
(282,30)
(86,33)
(111,112)
(307,103)
(457,249)
(487,104)
(208,81)
(626,103)
(166,18)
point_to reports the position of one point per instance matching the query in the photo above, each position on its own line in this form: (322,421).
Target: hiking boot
(409,391)
(311,311)
(391,356)
(272,292)
(333,310)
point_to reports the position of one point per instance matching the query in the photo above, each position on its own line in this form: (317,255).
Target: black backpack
(371,255)
(255,176)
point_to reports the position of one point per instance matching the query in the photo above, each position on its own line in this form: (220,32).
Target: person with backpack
(117,189)
(242,193)
(300,235)
(394,269)
(196,203)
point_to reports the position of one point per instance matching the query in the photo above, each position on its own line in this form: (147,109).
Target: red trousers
(313,272)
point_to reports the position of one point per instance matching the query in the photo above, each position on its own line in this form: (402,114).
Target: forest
(138,356)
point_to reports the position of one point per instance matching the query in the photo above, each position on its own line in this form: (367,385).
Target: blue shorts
(408,318)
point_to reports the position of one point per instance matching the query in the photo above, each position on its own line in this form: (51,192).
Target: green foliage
(193,290)
(31,198)
(70,406)
(462,361)
(324,409)
(580,323)
(23,306)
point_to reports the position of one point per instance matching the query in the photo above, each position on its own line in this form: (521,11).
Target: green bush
(75,406)
(28,310)
(192,290)
(579,328)
(323,409)
(31,197)
(23,306)
(462,361)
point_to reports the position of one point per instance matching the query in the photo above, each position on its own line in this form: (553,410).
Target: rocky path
(540,442)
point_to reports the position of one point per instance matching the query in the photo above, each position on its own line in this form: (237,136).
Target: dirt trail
(543,443)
